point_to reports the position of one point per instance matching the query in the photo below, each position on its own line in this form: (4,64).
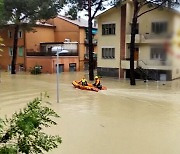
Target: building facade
(34,48)
(154,30)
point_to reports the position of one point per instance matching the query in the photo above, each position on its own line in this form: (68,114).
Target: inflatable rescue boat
(89,87)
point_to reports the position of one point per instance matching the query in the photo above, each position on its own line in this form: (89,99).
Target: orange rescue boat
(89,87)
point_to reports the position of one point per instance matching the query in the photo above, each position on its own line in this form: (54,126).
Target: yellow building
(154,30)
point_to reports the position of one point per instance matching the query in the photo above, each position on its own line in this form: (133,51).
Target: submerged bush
(23,132)
(36,70)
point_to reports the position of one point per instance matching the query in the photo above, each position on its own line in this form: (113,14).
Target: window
(20,51)
(159,27)
(158,53)
(20,34)
(108,53)
(72,67)
(9,34)
(108,29)
(10,51)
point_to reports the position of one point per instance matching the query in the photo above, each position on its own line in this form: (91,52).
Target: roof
(79,22)
(104,11)
(44,24)
(169,9)
(37,24)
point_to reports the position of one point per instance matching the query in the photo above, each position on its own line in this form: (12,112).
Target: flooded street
(144,119)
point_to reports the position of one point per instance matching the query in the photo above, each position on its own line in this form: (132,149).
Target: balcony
(155,38)
(86,56)
(86,42)
(156,65)
(125,64)
(149,38)
(159,65)
(137,38)
(70,53)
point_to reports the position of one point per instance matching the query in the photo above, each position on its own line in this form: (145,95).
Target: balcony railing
(159,65)
(125,64)
(51,54)
(137,38)
(149,38)
(86,56)
(86,41)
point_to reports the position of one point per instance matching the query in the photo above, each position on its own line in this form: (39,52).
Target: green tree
(24,14)
(92,7)
(23,133)
(138,6)
(1,8)
(72,12)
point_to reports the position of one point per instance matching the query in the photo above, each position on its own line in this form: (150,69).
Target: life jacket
(97,82)
(83,80)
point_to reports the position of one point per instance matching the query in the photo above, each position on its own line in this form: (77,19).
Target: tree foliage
(24,14)
(1,8)
(24,131)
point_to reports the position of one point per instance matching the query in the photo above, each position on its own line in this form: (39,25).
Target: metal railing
(147,73)
(95,41)
(51,54)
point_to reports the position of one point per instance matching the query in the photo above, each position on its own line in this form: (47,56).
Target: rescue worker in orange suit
(83,81)
(97,83)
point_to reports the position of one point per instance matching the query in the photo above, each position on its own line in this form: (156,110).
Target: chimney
(79,18)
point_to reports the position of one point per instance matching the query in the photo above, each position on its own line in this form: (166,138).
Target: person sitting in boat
(97,83)
(83,81)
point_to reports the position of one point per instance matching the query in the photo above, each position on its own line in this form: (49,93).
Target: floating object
(89,87)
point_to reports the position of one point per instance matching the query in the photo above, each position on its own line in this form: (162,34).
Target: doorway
(72,67)
(136,54)
(61,68)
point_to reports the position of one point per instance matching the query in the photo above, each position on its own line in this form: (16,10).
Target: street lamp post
(57,74)
(58,51)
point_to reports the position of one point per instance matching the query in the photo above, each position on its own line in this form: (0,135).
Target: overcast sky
(83,14)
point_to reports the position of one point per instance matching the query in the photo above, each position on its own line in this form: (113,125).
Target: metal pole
(57,69)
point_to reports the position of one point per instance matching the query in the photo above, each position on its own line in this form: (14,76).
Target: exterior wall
(49,63)
(45,62)
(176,48)
(146,19)
(82,48)
(41,34)
(153,16)
(112,16)
(66,61)
(5,59)
(65,30)
(144,55)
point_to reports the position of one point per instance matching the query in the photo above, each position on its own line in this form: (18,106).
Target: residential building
(34,47)
(154,30)
(27,41)
(75,31)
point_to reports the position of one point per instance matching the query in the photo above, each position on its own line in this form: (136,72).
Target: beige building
(154,31)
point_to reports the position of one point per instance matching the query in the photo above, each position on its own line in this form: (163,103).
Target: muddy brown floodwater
(144,119)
